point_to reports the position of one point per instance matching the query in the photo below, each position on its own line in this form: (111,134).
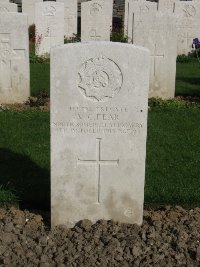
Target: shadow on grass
(30,182)
(195,81)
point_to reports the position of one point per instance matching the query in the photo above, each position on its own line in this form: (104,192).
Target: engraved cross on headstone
(156,56)
(94,36)
(50,36)
(99,162)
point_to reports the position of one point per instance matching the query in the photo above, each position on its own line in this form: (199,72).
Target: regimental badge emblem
(100,79)
(95,9)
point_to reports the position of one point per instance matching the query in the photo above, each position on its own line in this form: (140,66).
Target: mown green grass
(173,156)
(7,195)
(40,78)
(188,79)
(25,156)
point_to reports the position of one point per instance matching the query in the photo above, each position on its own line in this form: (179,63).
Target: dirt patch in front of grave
(42,102)
(189,99)
(168,237)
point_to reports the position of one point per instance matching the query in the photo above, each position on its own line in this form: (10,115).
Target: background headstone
(159,34)
(110,9)
(96,20)
(168,6)
(5,6)
(14,58)
(49,18)
(188,25)
(99,95)
(28,7)
(135,11)
(71,18)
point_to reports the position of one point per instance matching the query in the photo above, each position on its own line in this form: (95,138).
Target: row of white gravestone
(70,13)
(158,30)
(158,34)
(187,14)
(96,23)
(159,27)
(96,17)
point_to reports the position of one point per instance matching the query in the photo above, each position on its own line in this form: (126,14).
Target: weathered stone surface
(5,6)
(159,34)
(14,58)
(49,17)
(188,25)
(187,13)
(71,9)
(99,97)
(168,6)
(137,9)
(28,7)
(96,21)
(148,27)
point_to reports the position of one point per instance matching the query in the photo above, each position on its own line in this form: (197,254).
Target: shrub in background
(118,37)
(75,39)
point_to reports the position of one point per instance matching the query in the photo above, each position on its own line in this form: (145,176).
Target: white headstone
(96,20)
(5,6)
(188,25)
(14,58)
(71,23)
(28,7)
(49,21)
(99,93)
(135,11)
(110,9)
(168,6)
(159,34)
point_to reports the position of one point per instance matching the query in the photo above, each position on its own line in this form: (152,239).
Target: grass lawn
(188,79)
(40,78)
(173,154)
(25,156)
